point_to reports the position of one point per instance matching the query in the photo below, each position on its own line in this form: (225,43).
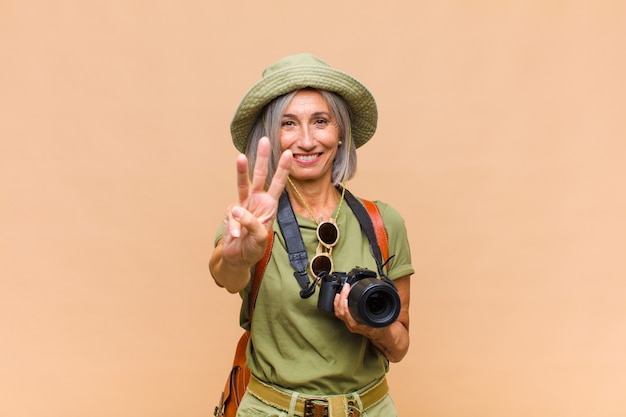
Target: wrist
(377,335)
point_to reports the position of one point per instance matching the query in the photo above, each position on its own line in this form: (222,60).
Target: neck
(319,199)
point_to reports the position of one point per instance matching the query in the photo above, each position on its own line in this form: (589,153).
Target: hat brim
(362,104)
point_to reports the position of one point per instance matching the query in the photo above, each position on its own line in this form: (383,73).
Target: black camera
(371,301)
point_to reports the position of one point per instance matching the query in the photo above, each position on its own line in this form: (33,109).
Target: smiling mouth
(307,157)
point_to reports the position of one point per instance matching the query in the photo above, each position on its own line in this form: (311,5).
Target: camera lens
(377,303)
(374,302)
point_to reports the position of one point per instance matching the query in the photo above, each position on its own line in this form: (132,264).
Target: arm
(233,276)
(393,340)
(247,223)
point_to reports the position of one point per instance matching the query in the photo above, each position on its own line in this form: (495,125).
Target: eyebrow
(317,113)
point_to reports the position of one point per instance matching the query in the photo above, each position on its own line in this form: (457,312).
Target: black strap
(368,228)
(288,224)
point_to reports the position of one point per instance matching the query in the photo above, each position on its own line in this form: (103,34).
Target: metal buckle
(313,408)
(219,410)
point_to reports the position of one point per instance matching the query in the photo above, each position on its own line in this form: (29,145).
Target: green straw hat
(299,71)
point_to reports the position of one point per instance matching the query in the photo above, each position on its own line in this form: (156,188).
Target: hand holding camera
(371,301)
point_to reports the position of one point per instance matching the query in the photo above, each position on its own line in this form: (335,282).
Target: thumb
(248,221)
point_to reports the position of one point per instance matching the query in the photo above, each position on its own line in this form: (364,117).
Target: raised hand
(248,222)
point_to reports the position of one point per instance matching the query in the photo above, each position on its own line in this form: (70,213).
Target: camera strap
(288,224)
(371,223)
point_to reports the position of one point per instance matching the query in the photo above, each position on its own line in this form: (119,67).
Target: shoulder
(389,213)
(391,217)
(400,264)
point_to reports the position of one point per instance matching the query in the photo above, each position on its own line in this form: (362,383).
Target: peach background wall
(501,140)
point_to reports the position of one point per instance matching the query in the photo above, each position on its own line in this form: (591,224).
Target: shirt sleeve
(218,234)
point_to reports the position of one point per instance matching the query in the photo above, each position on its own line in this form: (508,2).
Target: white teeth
(306,158)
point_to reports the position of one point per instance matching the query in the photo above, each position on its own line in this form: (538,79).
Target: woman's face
(310,131)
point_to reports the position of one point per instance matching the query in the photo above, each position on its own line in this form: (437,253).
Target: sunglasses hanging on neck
(298,257)
(328,236)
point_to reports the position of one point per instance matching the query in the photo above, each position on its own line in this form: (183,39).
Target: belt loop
(292,404)
(355,405)
(337,406)
(358,400)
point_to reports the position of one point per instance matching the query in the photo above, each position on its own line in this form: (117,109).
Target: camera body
(372,301)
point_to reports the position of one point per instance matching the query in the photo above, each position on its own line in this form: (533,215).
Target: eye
(287,123)
(321,121)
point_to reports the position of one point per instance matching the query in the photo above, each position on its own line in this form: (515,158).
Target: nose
(307,140)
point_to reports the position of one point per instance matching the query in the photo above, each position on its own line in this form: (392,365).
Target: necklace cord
(306,206)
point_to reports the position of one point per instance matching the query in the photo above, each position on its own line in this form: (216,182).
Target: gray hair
(269,122)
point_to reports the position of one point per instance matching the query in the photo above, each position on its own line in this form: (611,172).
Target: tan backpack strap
(259,271)
(239,377)
(379,228)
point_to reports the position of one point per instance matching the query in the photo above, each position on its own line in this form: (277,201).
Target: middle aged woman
(298,129)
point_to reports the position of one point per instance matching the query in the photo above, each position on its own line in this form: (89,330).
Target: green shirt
(299,347)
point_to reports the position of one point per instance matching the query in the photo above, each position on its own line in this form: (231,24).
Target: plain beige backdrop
(502,140)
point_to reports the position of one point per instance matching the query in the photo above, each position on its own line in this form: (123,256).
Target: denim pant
(253,407)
